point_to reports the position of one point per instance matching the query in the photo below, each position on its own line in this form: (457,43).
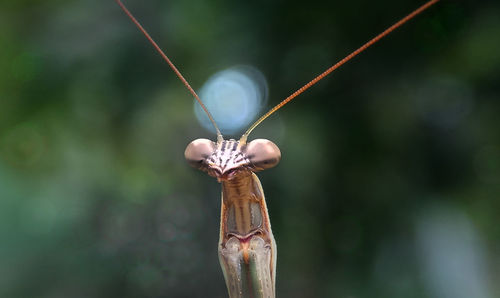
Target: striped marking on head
(227,156)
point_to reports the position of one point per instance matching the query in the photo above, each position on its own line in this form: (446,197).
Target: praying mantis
(247,249)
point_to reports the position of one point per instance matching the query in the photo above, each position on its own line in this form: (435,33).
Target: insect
(247,249)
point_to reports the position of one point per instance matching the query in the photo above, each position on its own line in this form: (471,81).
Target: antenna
(337,65)
(172,66)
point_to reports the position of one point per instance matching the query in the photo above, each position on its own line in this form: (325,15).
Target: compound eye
(263,154)
(198,150)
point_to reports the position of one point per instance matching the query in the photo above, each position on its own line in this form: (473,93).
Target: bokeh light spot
(234,97)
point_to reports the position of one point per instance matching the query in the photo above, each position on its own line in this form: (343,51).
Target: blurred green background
(389,179)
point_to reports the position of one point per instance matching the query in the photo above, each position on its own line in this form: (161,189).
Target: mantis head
(225,159)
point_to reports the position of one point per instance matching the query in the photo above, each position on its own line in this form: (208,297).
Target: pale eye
(198,150)
(263,154)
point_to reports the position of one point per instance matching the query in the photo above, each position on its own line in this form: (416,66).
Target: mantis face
(226,159)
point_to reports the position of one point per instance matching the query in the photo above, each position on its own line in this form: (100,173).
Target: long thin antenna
(337,65)
(177,72)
